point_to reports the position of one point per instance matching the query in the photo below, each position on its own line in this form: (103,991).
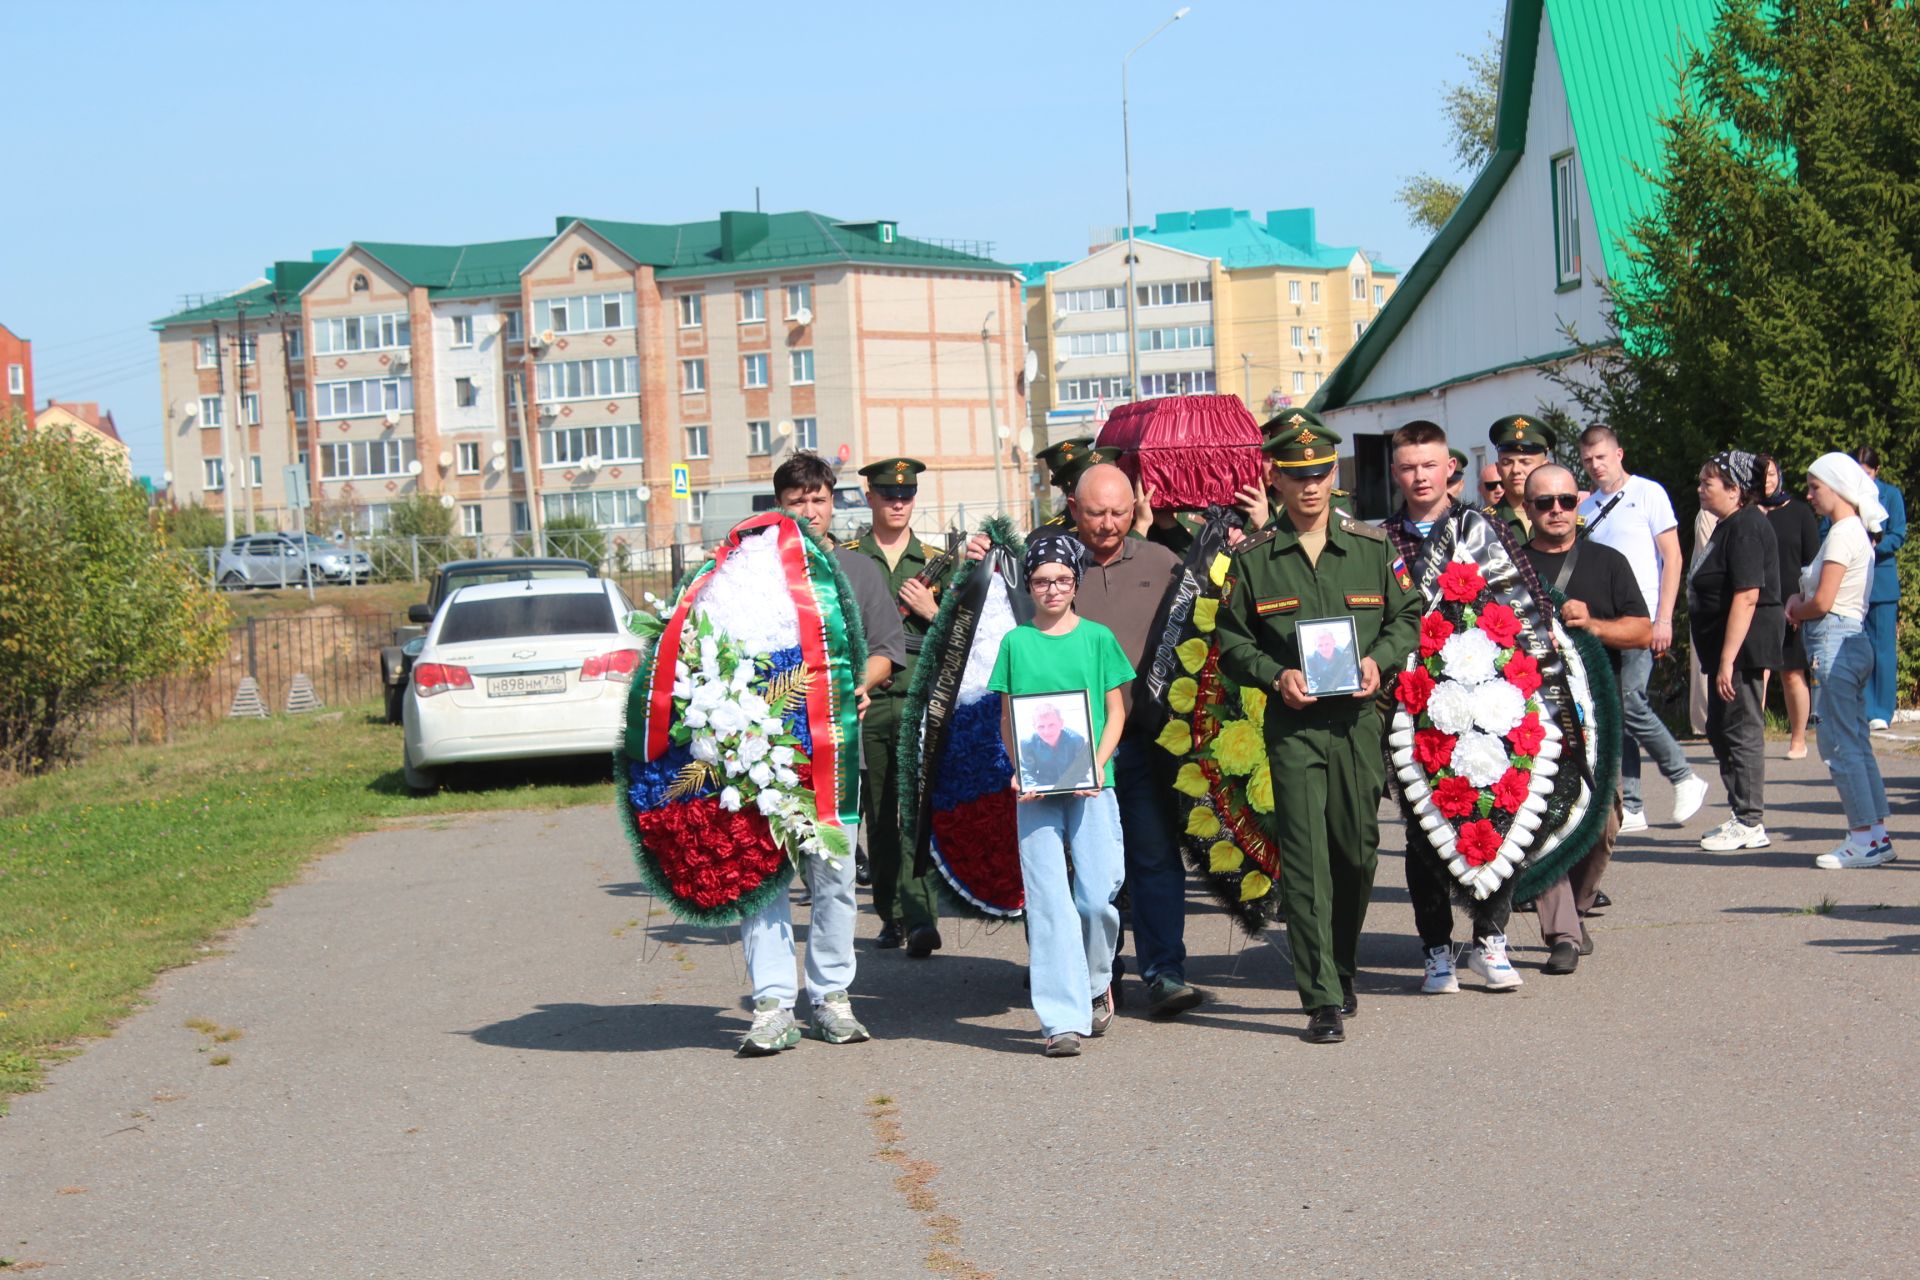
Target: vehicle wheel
(419,781)
(232,581)
(396,702)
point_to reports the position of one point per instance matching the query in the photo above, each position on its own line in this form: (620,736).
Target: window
(586,379)
(468,453)
(213,412)
(585,313)
(296,344)
(522,517)
(1184,338)
(802,362)
(512,319)
(250,409)
(696,442)
(799,298)
(1087,390)
(759,439)
(1313,337)
(1566,221)
(206,354)
(213,474)
(365,459)
(463,331)
(806,433)
(583,262)
(570,446)
(1187,382)
(360,282)
(1379,295)
(465,395)
(606,508)
(692,310)
(1359,327)
(1091,299)
(516,457)
(1294,333)
(1317,375)
(378,514)
(753,370)
(753,305)
(1108,343)
(361,397)
(1174,294)
(1299,382)
(697,506)
(1313,291)
(470,519)
(1360,288)
(693,376)
(254,467)
(1293,291)
(362,333)
(16,379)
(299,404)
(249,350)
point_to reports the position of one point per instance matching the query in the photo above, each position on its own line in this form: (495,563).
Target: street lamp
(1126,145)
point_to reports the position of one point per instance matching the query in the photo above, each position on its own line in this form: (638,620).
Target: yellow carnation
(1260,789)
(1204,611)
(1254,700)
(1254,886)
(1225,856)
(1182,695)
(1176,737)
(1239,747)
(1190,781)
(1193,653)
(1217,571)
(1203,822)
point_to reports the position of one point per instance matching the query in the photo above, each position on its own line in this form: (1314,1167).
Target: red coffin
(1194,451)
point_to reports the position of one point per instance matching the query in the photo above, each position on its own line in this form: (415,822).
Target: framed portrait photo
(1330,655)
(1053,742)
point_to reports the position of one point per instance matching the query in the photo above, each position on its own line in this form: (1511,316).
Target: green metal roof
(278,294)
(458,270)
(1286,238)
(773,241)
(1035,273)
(1619,63)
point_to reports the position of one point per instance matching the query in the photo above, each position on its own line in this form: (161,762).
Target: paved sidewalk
(469,1051)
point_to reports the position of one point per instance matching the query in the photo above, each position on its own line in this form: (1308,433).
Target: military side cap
(1068,473)
(1288,419)
(1460,458)
(1306,450)
(1518,433)
(894,477)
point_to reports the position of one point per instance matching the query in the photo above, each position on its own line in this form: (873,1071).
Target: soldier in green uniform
(1065,461)
(1520,444)
(1457,483)
(908,905)
(1325,753)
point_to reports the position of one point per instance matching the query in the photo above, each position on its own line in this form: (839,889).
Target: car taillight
(618,665)
(430,678)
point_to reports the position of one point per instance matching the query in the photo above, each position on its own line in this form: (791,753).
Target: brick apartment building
(16,372)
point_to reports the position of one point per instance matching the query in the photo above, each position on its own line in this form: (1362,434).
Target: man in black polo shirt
(1603,598)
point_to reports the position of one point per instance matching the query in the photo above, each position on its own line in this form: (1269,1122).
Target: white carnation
(1469,656)
(727,718)
(787,777)
(1498,707)
(1480,758)
(705,749)
(730,799)
(1451,707)
(747,597)
(754,747)
(769,802)
(761,775)
(781,756)
(752,703)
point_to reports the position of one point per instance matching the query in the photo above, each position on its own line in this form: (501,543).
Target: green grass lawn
(129,863)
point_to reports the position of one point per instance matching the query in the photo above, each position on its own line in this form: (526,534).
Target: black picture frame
(1334,673)
(1056,769)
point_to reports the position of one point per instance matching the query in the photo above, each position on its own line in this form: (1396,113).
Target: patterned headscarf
(1055,546)
(1739,465)
(1850,480)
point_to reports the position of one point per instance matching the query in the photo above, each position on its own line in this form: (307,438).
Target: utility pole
(529,461)
(226,441)
(240,415)
(993,421)
(1246,379)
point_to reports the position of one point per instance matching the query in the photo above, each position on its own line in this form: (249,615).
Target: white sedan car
(512,670)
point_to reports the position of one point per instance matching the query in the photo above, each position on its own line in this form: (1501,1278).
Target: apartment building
(16,372)
(86,423)
(1223,302)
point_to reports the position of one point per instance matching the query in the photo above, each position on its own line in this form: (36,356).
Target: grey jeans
(1639,725)
(1737,730)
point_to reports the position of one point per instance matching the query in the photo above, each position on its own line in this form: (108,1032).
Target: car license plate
(521,686)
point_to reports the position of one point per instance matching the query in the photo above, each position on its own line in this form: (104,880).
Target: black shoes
(1349,1002)
(923,942)
(889,936)
(1600,902)
(862,869)
(1565,958)
(1324,1026)
(1586,941)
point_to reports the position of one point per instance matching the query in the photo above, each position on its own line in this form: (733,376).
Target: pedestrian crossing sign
(682,482)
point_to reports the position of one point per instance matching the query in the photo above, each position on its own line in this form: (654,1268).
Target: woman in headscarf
(1733,595)
(1797,532)
(1832,605)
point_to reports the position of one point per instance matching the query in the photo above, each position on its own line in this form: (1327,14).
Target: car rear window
(480,577)
(502,617)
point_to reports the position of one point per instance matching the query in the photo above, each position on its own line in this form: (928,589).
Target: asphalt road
(476,1049)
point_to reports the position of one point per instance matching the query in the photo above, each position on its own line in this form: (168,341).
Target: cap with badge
(1306,450)
(1289,419)
(1066,460)
(894,477)
(1517,433)
(1460,459)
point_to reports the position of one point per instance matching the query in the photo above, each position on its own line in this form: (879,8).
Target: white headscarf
(1849,479)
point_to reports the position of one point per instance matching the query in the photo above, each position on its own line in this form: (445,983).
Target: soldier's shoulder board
(1258,539)
(1349,525)
(851,544)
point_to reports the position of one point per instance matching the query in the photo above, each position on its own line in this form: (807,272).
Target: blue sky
(161,149)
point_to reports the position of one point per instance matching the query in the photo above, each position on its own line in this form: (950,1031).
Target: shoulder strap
(1565,575)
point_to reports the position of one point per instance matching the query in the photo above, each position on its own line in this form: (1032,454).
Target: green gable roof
(1618,63)
(738,241)
(458,270)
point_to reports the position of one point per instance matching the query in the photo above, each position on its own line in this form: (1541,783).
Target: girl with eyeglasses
(1071,929)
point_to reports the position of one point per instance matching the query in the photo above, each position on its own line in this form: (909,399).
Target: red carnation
(1433,749)
(1461,583)
(1511,791)
(1527,736)
(1478,842)
(1501,624)
(1522,672)
(1455,797)
(1435,631)
(1415,687)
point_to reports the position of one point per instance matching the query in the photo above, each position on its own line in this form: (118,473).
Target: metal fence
(415,559)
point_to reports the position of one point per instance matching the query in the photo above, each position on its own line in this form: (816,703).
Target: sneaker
(833,1020)
(1688,795)
(1876,723)
(1632,820)
(1735,834)
(1441,979)
(1488,958)
(1064,1045)
(1847,855)
(773,1029)
(1102,1012)
(1169,994)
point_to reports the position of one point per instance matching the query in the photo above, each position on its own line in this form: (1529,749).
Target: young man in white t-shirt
(1634,516)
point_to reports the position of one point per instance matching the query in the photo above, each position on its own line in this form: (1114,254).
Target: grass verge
(127,864)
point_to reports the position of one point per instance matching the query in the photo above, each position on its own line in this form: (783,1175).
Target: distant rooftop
(1286,238)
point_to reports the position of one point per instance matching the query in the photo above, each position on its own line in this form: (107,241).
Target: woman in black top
(1796,531)
(1733,595)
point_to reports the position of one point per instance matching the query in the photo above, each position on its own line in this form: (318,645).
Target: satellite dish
(393,417)
(591,462)
(546,337)
(499,447)
(1005,433)
(804,316)
(413,468)
(166,477)
(785,429)
(644,494)
(1032,365)
(498,463)
(188,409)
(446,500)
(1025,441)
(446,459)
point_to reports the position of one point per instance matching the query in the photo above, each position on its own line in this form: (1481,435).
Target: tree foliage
(419,515)
(1471,108)
(91,598)
(577,536)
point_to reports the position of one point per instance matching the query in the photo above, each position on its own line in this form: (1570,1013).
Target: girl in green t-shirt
(1071,930)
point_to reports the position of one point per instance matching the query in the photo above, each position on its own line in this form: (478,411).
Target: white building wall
(480,362)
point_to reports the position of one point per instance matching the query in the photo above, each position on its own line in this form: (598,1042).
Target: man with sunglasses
(1602,597)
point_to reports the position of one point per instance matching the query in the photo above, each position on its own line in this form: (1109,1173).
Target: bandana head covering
(1055,546)
(1848,479)
(1738,464)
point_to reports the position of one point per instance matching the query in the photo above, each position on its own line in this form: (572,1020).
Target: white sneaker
(1688,795)
(1441,979)
(1735,834)
(1489,960)
(1632,820)
(1876,723)
(1848,855)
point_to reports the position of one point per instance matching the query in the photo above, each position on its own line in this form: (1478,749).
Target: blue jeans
(1156,878)
(1840,662)
(767,935)
(1640,726)
(1881,693)
(1071,931)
